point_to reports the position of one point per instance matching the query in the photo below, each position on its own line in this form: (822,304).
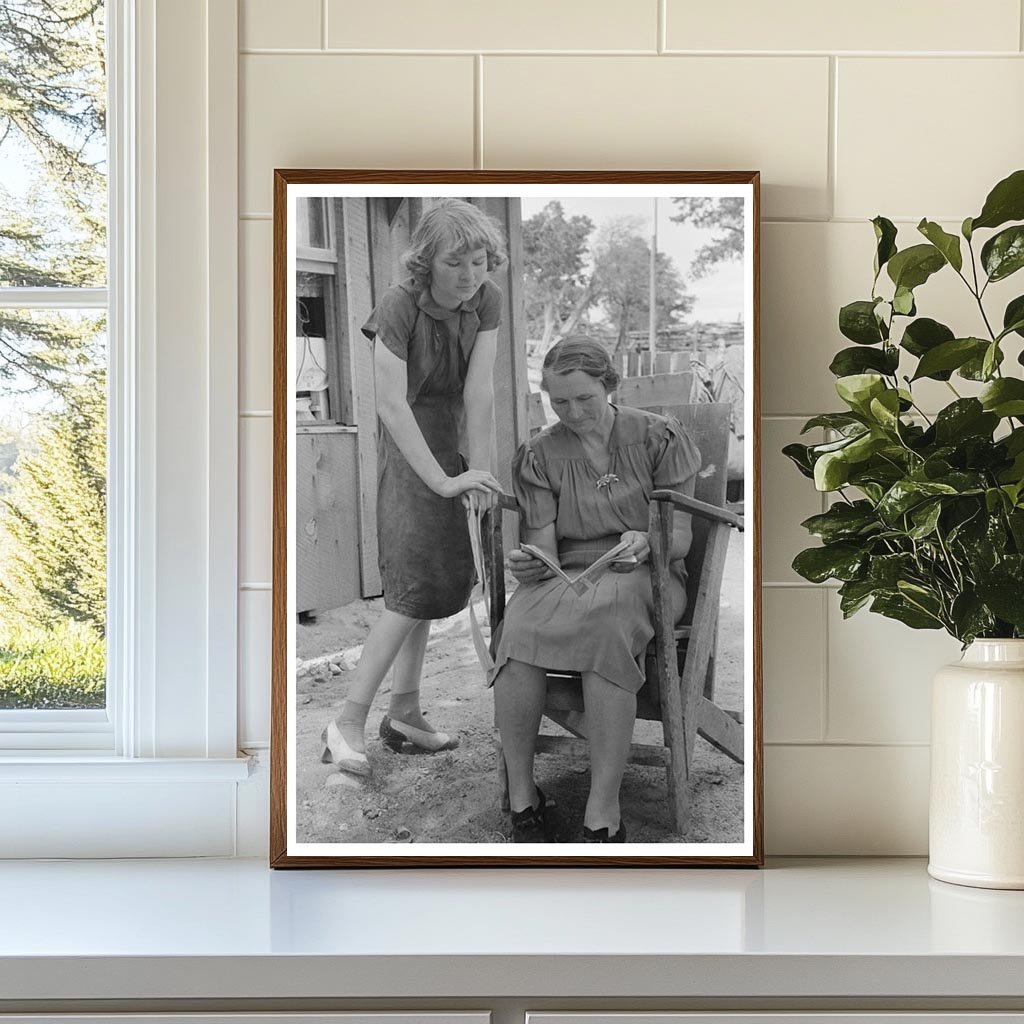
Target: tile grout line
(851,744)
(259,51)
(826,649)
(478,111)
(831,171)
(825,709)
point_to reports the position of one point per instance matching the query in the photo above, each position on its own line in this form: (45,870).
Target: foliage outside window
(53,200)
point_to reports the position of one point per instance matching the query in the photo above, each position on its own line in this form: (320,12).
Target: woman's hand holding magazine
(582,581)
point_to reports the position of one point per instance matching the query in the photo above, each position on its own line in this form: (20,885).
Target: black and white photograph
(516,553)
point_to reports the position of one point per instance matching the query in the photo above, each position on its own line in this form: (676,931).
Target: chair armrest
(699,508)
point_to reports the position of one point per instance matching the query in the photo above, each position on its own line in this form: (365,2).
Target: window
(106,781)
(53,371)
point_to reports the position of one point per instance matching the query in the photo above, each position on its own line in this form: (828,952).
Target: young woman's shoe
(337,751)
(600,835)
(395,733)
(531,825)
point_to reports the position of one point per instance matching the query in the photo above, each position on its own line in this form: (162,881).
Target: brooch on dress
(607,480)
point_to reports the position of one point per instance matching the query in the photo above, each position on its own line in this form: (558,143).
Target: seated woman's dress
(607,628)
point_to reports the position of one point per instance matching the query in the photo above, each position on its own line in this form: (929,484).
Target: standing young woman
(435,342)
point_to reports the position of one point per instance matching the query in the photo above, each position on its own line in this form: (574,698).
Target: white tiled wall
(909,110)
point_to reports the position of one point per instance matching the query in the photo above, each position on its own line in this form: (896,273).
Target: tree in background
(53,543)
(725,218)
(52,235)
(53,120)
(622,266)
(558,290)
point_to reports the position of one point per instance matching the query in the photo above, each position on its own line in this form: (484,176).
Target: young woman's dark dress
(426,563)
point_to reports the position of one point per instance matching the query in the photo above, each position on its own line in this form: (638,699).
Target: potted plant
(927,525)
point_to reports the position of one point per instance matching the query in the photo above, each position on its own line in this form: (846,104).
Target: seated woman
(583,485)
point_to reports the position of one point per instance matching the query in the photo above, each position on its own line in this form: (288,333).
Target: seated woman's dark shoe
(395,733)
(600,835)
(531,825)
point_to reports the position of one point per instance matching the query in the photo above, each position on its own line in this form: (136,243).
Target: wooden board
(326,516)
(511,418)
(652,391)
(355,302)
(536,416)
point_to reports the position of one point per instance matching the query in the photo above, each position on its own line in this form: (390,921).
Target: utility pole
(652,322)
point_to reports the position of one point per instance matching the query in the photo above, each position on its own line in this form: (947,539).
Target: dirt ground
(452,797)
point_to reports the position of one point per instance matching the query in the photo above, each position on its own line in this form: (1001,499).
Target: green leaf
(950,355)
(880,471)
(970,617)
(865,446)
(1003,254)
(831,471)
(1016,522)
(887,570)
(964,481)
(923,335)
(991,360)
(974,368)
(1004,594)
(858,389)
(799,455)
(907,494)
(912,267)
(947,244)
(1014,441)
(885,236)
(966,229)
(899,608)
(903,302)
(1013,317)
(925,518)
(843,521)
(885,409)
(849,361)
(966,417)
(854,594)
(857,321)
(833,420)
(1004,397)
(995,499)
(839,561)
(1005,202)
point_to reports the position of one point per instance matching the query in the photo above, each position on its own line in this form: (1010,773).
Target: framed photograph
(516,551)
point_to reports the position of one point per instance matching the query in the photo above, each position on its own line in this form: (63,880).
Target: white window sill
(77,766)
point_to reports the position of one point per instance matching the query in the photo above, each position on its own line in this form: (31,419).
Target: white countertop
(234,928)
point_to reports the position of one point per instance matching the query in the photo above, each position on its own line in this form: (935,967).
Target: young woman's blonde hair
(579,352)
(458,226)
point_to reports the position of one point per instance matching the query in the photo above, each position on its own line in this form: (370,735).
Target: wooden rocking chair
(679,662)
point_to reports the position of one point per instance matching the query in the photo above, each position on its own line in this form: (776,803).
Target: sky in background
(719,295)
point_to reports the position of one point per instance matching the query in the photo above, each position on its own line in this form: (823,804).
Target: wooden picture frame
(338,241)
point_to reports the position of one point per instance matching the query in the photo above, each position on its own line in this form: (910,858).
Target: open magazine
(582,581)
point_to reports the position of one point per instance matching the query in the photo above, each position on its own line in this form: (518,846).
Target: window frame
(171,147)
(93,730)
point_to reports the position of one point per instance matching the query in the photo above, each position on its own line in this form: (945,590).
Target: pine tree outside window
(53,370)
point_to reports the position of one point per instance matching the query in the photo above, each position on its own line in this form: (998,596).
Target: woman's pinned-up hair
(580,352)
(458,226)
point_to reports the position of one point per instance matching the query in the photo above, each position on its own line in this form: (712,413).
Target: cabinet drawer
(776,1018)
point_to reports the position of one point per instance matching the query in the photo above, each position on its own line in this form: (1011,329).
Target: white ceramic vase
(976,813)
